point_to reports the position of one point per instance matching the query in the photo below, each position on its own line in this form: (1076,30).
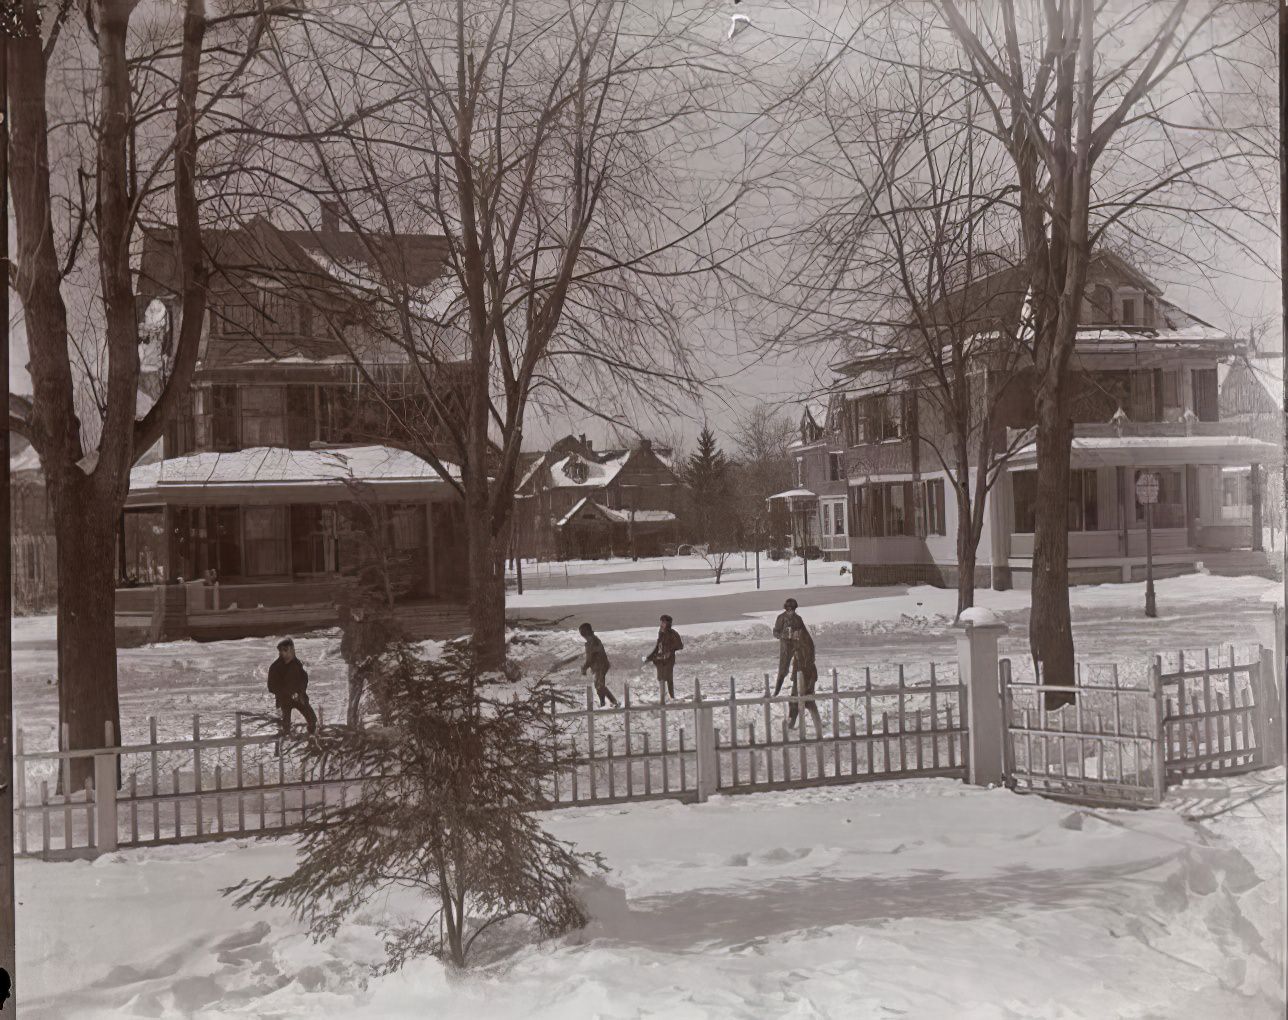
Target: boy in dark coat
(598,664)
(288,682)
(787,619)
(663,657)
(804,676)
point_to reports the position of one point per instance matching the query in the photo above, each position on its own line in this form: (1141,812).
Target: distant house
(1146,399)
(577,502)
(281,472)
(1246,400)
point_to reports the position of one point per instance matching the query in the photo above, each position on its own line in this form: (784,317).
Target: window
(1083,512)
(225,428)
(335,414)
(800,472)
(406,526)
(1169,511)
(1083,508)
(301,417)
(216,531)
(313,540)
(1170,390)
(935,524)
(883,510)
(892,416)
(1203,381)
(835,467)
(576,470)
(876,419)
(256,314)
(827,518)
(262,419)
(1129,312)
(1024,500)
(264,528)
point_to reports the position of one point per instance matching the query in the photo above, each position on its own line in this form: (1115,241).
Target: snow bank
(923,899)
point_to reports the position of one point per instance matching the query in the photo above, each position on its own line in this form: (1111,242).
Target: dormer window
(1129,311)
(576,470)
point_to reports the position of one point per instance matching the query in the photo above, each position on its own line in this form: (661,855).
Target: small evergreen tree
(449,785)
(706,474)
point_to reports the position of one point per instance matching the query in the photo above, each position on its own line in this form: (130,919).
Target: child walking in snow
(598,664)
(663,657)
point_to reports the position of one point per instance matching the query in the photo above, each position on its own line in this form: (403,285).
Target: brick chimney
(330,217)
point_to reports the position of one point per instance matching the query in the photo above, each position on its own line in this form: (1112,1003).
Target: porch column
(1192,506)
(1124,494)
(431,586)
(1255,479)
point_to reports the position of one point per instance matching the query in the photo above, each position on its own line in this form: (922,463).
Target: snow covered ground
(175,680)
(921,899)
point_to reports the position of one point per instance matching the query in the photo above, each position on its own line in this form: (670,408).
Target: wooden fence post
(706,752)
(1269,697)
(1159,745)
(978,669)
(105,794)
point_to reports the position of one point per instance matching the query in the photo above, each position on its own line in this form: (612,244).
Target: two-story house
(1145,376)
(285,476)
(578,502)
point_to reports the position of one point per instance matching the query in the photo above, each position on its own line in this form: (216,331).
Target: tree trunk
(967,553)
(1050,627)
(87,697)
(353,717)
(487,593)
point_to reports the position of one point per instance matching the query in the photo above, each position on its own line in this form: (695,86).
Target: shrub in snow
(445,811)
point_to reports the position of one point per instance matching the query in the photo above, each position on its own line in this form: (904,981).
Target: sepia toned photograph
(613,509)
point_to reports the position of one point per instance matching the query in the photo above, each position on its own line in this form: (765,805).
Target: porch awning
(793,494)
(1158,451)
(274,476)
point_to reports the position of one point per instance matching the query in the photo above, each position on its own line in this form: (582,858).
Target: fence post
(1270,706)
(979,670)
(1159,745)
(705,725)
(105,794)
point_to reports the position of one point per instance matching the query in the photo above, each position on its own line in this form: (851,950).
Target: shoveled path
(621,614)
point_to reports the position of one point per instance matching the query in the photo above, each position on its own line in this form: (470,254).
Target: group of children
(288,681)
(795,656)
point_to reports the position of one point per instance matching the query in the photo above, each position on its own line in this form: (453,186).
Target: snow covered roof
(617,516)
(1159,451)
(263,469)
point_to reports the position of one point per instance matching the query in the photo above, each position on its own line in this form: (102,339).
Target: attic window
(576,470)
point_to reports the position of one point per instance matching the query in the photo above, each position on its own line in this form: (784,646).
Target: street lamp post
(1147,496)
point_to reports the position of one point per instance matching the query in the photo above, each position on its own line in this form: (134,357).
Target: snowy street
(824,903)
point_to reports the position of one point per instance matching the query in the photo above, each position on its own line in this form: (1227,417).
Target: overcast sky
(785,35)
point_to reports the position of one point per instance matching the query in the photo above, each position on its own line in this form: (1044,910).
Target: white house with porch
(1145,399)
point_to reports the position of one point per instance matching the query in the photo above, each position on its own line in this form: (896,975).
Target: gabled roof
(999,297)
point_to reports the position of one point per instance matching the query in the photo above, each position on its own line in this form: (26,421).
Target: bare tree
(539,140)
(908,272)
(106,132)
(1080,95)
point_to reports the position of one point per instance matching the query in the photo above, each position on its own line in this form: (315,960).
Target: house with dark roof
(578,502)
(284,476)
(1146,400)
